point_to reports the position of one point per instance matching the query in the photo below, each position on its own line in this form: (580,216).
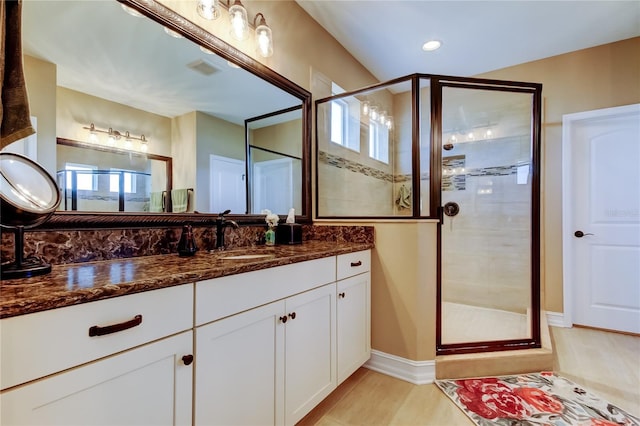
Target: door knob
(581,234)
(187,359)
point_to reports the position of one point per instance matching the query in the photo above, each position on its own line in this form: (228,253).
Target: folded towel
(179,200)
(15,121)
(156,203)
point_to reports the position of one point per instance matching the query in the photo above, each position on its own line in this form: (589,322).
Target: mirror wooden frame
(168,18)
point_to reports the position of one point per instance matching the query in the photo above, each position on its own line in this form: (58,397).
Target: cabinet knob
(292,315)
(284,319)
(187,359)
(341,295)
(356,264)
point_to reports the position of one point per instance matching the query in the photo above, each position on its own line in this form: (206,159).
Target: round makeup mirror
(28,196)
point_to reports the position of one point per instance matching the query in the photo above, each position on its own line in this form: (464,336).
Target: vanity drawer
(43,343)
(351,264)
(221,297)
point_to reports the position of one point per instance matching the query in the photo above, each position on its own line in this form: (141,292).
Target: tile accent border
(416,372)
(353,166)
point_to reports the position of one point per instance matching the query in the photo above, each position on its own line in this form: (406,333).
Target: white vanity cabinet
(120,361)
(353,312)
(269,364)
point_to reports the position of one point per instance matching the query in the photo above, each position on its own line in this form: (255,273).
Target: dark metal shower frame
(437,82)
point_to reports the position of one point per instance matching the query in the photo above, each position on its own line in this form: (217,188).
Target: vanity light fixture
(115,135)
(240,23)
(431,45)
(208,9)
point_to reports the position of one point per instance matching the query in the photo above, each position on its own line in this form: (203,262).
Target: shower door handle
(451,209)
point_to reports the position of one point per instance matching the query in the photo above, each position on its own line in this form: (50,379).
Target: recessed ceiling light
(431,45)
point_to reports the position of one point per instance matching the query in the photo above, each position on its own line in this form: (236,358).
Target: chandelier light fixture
(115,135)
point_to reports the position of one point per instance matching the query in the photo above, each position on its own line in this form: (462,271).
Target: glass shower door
(488,254)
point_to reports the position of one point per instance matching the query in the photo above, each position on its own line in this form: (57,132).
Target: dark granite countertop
(77,283)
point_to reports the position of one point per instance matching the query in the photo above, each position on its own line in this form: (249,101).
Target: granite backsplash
(73,246)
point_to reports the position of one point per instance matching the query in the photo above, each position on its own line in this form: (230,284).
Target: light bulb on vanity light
(365,108)
(127,141)
(93,136)
(373,112)
(208,9)
(239,20)
(111,140)
(144,144)
(264,37)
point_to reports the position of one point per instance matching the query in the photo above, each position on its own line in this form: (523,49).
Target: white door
(228,185)
(149,385)
(601,218)
(273,186)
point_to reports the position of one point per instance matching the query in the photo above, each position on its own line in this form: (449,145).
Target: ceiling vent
(203,67)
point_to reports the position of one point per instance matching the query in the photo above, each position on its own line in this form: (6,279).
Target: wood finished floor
(605,363)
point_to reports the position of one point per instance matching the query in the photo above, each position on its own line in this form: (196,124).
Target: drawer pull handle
(341,295)
(355,264)
(292,315)
(284,319)
(108,329)
(187,359)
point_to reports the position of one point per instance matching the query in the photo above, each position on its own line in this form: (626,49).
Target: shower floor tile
(466,323)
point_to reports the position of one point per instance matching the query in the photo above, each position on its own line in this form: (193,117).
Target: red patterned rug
(532,400)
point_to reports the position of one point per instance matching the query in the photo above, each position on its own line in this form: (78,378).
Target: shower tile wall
(496,255)
(366,194)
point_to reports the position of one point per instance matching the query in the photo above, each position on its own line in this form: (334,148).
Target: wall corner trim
(557,319)
(416,372)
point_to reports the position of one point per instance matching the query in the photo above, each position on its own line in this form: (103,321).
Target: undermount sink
(246,256)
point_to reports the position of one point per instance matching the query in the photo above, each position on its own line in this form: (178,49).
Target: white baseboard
(416,372)
(557,319)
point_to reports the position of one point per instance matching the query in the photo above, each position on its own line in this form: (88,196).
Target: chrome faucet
(221,223)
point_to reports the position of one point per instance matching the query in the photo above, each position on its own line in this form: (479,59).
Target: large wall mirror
(168,90)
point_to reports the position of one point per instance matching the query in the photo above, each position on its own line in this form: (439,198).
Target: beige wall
(40,77)
(75,110)
(183,129)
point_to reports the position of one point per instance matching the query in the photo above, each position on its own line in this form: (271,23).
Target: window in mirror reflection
(85,178)
(129,180)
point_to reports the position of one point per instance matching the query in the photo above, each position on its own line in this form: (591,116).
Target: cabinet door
(353,324)
(238,361)
(149,385)
(310,352)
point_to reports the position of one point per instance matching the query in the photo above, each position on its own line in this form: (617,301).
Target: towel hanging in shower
(403,200)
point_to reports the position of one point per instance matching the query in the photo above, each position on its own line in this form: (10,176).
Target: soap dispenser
(187,244)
